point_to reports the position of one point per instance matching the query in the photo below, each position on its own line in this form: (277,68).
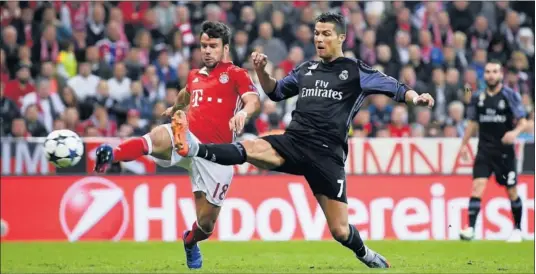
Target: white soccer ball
(63,148)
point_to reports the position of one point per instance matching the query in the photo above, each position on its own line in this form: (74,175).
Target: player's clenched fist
(424,99)
(259,60)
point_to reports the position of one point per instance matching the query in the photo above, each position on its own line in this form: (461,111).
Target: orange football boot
(179,127)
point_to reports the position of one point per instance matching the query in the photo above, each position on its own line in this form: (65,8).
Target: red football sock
(131,149)
(196,235)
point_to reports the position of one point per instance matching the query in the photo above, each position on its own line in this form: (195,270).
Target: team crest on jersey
(344,75)
(313,66)
(224,78)
(481,99)
(501,104)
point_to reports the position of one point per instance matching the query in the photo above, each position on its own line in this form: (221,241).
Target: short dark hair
(495,62)
(217,30)
(335,18)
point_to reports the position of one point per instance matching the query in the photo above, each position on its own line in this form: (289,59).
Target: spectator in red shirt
(16,89)
(4,72)
(19,129)
(294,58)
(101,120)
(362,127)
(263,122)
(399,122)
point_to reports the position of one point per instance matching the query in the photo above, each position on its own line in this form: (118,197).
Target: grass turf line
(264,257)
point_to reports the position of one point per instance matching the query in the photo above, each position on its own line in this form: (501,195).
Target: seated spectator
(16,89)
(497,49)
(59,124)
(85,108)
(423,118)
(101,121)
(139,125)
(49,104)
(132,64)
(144,43)
(92,131)
(383,132)
(47,48)
(165,72)
(399,122)
(456,111)
(182,73)
(85,83)
(33,125)
(8,111)
(138,101)
(422,70)
(361,126)
(262,123)
(294,59)
(67,64)
(462,54)
(449,131)
(239,50)
(119,84)
(10,48)
(304,38)
(383,53)
(273,47)
(96,25)
(104,98)
(18,129)
(27,28)
(4,71)
(380,110)
(417,131)
(72,120)
(25,59)
(98,67)
(157,119)
(111,48)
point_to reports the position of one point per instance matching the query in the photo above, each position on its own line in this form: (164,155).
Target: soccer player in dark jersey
(330,92)
(499,116)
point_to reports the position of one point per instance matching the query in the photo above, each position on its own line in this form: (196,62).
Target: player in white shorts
(218,98)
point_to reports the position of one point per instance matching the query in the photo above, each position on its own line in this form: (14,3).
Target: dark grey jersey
(330,94)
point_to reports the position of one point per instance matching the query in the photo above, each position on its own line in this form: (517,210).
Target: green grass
(264,257)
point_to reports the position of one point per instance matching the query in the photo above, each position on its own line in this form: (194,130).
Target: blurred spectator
(460,40)
(19,87)
(425,45)
(402,43)
(497,49)
(101,121)
(417,131)
(8,111)
(248,22)
(273,47)
(442,94)
(137,101)
(111,48)
(85,83)
(69,100)
(262,123)
(423,119)
(92,131)
(133,11)
(525,40)
(182,73)
(367,50)
(510,29)
(461,17)
(48,71)
(47,48)
(11,11)
(449,131)
(132,64)
(383,132)
(72,120)
(480,58)
(239,51)
(380,110)
(304,39)
(138,125)
(150,23)
(383,53)
(98,67)
(48,104)
(158,108)
(455,118)
(441,30)
(528,134)
(33,125)
(144,44)
(27,28)
(10,47)
(422,70)
(181,54)
(96,26)
(514,81)
(165,72)
(59,124)
(67,64)
(119,84)
(408,77)
(361,126)
(281,29)
(451,60)
(399,122)
(18,129)
(294,59)
(182,23)
(25,59)
(4,71)
(165,12)
(479,36)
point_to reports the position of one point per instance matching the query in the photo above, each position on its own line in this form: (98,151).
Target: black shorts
(321,165)
(501,164)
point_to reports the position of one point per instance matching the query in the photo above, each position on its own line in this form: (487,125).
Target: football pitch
(266,257)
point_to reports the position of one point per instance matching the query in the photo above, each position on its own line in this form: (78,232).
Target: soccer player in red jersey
(220,98)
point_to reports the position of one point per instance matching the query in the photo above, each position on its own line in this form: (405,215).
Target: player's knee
(478,187)
(206,224)
(340,232)
(160,139)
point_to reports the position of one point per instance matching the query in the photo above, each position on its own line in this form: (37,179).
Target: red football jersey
(215,97)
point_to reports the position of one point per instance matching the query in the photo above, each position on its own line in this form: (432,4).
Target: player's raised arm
(276,90)
(182,101)
(250,98)
(375,82)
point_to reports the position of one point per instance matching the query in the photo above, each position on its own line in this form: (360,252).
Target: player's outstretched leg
(336,213)
(517,213)
(479,184)
(156,143)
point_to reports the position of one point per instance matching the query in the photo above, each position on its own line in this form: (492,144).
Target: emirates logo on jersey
(224,78)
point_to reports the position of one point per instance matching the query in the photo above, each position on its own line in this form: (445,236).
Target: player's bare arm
(182,101)
(252,106)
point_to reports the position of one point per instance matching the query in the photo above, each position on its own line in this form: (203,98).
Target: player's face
(493,75)
(212,50)
(327,41)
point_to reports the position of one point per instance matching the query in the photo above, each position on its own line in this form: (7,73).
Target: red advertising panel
(145,208)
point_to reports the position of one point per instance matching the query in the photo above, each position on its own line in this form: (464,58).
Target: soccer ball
(63,148)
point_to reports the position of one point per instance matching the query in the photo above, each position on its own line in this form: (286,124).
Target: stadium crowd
(111,68)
